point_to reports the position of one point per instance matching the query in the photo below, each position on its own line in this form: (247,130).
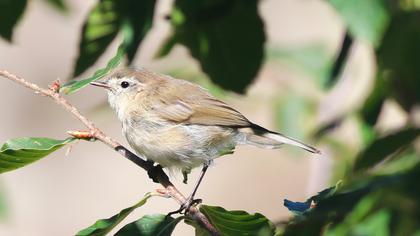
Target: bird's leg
(200,178)
(190,200)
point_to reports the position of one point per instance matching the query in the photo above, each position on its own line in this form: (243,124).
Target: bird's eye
(125,84)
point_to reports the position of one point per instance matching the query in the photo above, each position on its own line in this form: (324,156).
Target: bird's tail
(264,138)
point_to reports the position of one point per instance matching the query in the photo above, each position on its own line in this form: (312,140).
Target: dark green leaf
(398,58)
(385,146)
(366,20)
(19,152)
(367,132)
(226,37)
(340,61)
(104,226)
(150,225)
(58,4)
(328,127)
(139,14)
(166,47)
(364,220)
(373,104)
(105,20)
(100,28)
(10,13)
(236,222)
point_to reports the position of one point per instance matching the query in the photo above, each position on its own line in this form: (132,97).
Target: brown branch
(155,172)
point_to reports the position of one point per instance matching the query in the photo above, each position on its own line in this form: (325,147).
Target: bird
(179,124)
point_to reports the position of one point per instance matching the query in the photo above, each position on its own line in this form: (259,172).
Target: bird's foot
(186,206)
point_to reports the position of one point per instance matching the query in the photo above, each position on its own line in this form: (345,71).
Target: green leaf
(10,13)
(290,113)
(235,222)
(139,14)
(226,37)
(150,225)
(385,146)
(104,22)
(100,28)
(166,47)
(104,226)
(312,59)
(398,58)
(364,220)
(75,85)
(366,20)
(19,152)
(373,105)
(58,4)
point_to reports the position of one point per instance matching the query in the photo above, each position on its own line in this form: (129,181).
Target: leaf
(312,59)
(166,47)
(226,37)
(385,146)
(398,58)
(139,14)
(340,60)
(58,4)
(100,28)
(373,105)
(299,208)
(104,22)
(235,222)
(19,152)
(10,13)
(150,225)
(290,114)
(75,85)
(366,20)
(364,220)
(104,226)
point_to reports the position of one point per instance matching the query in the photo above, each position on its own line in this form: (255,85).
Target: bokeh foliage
(378,194)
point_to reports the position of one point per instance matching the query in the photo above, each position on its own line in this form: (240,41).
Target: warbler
(179,124)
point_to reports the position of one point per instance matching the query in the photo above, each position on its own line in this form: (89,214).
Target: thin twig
(155,172)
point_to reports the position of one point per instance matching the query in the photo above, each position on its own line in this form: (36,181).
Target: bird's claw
(186,206)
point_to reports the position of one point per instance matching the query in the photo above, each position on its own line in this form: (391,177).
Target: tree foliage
(378,195)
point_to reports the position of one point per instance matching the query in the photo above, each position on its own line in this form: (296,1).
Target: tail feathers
(264,138)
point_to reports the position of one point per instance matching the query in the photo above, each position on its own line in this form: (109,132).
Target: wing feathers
(204,110)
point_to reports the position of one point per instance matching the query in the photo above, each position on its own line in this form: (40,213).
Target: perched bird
(180,125)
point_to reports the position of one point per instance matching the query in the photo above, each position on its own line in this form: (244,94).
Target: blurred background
(73,187)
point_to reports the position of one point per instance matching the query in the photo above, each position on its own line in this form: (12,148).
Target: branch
(155,172)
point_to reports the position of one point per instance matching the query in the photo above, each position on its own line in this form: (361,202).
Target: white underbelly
(181,146)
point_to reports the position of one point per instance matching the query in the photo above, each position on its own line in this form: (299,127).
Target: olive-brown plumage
(179,124)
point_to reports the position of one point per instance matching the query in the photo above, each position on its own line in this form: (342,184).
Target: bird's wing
(199,108)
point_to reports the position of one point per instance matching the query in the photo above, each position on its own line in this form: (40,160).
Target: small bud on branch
(87,135)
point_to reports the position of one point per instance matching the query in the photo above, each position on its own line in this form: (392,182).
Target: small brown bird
(180,125)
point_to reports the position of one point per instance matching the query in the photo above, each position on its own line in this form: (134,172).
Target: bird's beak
(100,84)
